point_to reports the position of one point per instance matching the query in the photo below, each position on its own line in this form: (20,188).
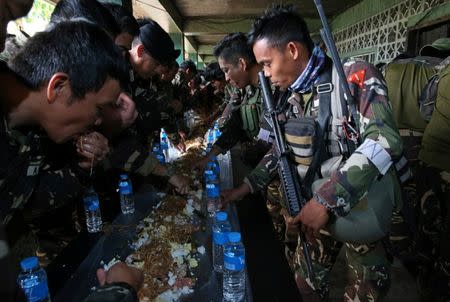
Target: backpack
(427,98)
(412,87)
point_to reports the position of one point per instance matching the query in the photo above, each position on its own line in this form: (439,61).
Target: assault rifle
(289,179)
(327,37)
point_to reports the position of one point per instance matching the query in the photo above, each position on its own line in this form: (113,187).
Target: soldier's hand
(313,217)
(181,183)
(120,272)
(93,148)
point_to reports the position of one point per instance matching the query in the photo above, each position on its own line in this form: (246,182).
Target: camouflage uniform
(181,89)
(419,237)
(144,93)
(369,267)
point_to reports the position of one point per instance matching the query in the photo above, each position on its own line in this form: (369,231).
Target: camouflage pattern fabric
(181,89)
(233,130)
(145,94)
(369,266)
(129,154)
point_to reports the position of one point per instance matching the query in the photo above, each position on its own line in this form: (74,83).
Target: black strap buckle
(324,88)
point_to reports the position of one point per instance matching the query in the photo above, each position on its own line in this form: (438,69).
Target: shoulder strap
(324,89)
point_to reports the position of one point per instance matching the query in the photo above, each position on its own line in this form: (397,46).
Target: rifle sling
(324,115)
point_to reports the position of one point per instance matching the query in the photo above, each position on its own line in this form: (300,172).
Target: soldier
(282,45)
(415,86)
(65,109)
(228,96)
(239,66)
(128,25)
(185,73)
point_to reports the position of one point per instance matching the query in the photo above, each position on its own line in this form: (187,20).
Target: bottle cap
(234,237)
(29,263)
(123,176)
(221,216)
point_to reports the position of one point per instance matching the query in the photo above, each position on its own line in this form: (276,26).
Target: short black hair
(213,72)
(281,25)
(91,10)
(188,64)
(126,21)
(233,47)
(80,49)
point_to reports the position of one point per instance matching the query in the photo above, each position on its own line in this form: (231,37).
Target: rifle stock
(289,179)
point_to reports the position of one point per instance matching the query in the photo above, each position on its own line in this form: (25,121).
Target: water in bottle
(164,144)
(234,269)
(126,194)
(33,281)
(156,149)
(216,131)
(221,228)
(92,210)
(212,191)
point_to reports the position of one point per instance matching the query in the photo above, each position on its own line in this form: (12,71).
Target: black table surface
(72,275)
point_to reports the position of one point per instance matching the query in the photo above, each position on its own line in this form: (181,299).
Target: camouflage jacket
(243,122)
(130,154)
(349,183)
(144,93)
(181,89)
(29,171)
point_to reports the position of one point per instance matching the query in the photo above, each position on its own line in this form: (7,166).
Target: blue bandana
(310,75)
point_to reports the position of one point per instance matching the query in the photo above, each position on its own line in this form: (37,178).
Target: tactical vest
(372,215)
(406,81)
(250,109)
(436,140)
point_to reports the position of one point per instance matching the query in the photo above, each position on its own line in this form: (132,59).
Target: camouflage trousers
(275,206)
(425,249)
(367,264)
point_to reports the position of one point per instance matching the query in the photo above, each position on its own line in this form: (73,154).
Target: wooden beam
(205,49)
(196,27)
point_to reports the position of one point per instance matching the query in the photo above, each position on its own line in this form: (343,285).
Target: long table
(115,241)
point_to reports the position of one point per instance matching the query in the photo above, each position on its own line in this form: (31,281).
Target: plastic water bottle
(164,143)
(210,138)
(92,210)
(33,280)
(221,228)
(216,131)
(212,182)
(234,269)
(126,195)
(156,149)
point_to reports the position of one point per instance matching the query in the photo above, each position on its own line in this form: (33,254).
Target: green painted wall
(193,57)
(361,11)
(178,41)
(200,65)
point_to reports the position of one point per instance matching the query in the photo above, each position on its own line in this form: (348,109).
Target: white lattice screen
(383,36)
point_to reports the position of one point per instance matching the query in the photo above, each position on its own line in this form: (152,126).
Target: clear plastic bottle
(221,228)
(212,184)
(33,280)
(126,195)
(216,131)
(164,144)
(156,149)
(234,269)
(92,210)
